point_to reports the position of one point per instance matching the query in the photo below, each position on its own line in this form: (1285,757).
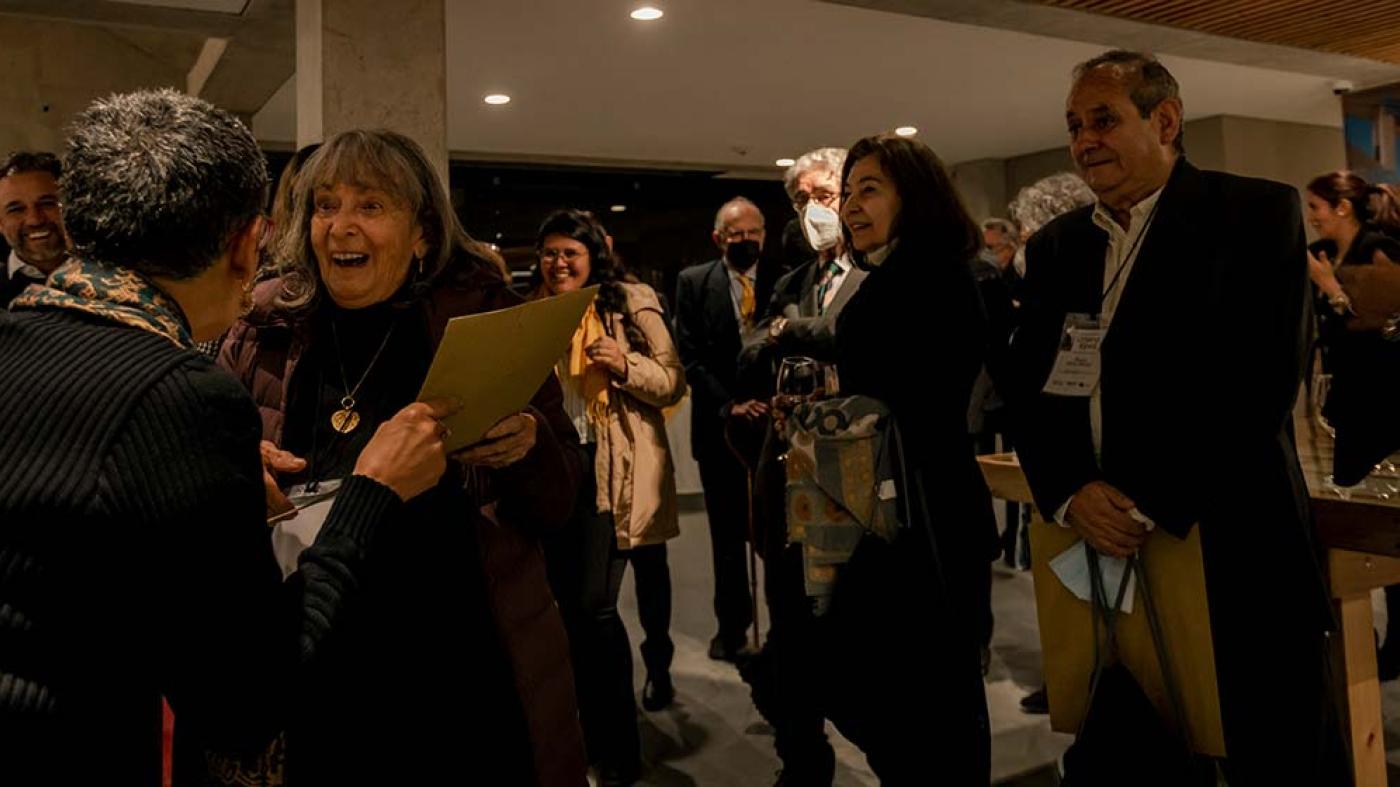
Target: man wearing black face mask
(715,304)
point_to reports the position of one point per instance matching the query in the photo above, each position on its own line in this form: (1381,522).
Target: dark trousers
(651,577)
(726,506)
(899,671)
(585,571)
(794,671)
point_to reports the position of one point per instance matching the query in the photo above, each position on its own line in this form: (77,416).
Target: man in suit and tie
(800,321)
(1184,294)
(715,303)
(31,219)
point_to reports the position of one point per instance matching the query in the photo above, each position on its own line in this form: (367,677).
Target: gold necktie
(746,301)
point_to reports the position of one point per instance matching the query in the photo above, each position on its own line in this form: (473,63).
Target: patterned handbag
(841,468)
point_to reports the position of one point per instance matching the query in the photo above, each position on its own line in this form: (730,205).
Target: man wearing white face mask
(800,320)
(801,316)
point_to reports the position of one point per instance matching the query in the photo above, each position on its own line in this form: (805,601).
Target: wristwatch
(775,328)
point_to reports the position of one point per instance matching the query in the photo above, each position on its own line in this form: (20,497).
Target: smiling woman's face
(870,206)
(365,240)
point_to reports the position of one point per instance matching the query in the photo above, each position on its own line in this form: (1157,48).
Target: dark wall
(666,225)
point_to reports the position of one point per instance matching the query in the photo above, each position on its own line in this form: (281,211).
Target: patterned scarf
(111,293)
(588,378)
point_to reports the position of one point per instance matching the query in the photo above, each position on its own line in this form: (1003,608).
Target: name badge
(1076,370)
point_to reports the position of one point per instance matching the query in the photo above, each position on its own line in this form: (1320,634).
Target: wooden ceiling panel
(1361,28)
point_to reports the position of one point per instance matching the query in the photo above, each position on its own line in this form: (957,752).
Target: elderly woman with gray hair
(454,659)
(1039,203)
(133,513)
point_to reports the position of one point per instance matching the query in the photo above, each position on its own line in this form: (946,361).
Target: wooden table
(1361,533)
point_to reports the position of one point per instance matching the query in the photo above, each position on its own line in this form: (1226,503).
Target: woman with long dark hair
(911,606)
(620,370)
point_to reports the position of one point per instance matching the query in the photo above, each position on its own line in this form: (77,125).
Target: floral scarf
(115,294)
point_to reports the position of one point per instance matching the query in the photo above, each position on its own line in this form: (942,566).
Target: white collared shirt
(17,265)
(1124,246)
(736,290)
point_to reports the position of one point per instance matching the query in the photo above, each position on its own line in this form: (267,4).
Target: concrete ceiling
(736,84)
(260,38)
(732,85)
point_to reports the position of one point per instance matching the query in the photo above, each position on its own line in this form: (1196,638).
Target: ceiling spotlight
(496,99)
(785,162)
(618,208)
(906,131)
(647,14)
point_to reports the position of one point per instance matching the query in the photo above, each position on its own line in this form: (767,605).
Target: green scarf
(111,293)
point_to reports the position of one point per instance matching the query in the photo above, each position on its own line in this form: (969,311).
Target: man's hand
(753,409)
(503,444)
(276,461)
(1099,514)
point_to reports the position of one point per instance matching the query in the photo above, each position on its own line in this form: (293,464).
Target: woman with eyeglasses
(619,371)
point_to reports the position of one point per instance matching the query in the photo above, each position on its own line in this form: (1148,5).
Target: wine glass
(799,380)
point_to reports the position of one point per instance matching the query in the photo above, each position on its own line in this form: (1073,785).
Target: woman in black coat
(914,337)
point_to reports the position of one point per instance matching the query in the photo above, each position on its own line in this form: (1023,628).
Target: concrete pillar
(982,186)
(371,64)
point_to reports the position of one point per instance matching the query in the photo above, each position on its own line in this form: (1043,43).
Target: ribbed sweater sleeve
(186,466)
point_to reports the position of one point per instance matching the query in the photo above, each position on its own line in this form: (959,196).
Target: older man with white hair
(800,320)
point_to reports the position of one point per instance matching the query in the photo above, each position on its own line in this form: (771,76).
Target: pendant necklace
(345,420)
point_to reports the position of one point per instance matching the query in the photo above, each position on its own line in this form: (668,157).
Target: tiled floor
(713,735)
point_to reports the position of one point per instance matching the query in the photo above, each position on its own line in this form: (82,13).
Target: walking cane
(753,539)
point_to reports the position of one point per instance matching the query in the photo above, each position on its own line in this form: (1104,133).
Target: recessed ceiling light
(647,14)
(785,162)
(618,208)
(497,99)
(906,131)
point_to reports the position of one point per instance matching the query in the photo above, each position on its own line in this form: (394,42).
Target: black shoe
(611,776)
(1036,703)
(658,694)
(725,649)
(1388,661)
(818,770)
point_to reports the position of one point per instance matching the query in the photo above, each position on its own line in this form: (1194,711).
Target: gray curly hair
(828,159)
(1037,204)
(159,182)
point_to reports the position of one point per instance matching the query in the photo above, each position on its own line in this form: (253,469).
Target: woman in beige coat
(620,370)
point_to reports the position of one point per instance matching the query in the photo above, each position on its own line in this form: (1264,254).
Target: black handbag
(1122,739)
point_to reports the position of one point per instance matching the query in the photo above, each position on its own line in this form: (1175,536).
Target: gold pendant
(345,421)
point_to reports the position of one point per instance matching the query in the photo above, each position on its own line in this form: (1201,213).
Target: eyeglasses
(823,197)
(738,235)
(568,255)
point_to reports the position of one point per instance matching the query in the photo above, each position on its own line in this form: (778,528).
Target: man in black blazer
(1199,282)
(715,303)
(800,321)
(31,219)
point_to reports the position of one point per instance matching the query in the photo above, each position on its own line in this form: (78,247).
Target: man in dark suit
(1198,281)
(31,219)
(715,303)
(800,321)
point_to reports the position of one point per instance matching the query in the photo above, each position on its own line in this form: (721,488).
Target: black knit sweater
(135,559)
